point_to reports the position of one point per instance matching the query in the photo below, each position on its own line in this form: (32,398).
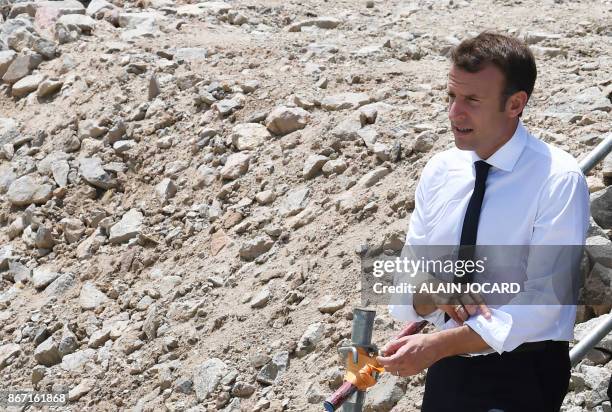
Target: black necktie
(470,222)
(472,215)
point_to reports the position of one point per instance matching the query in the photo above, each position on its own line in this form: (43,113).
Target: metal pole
(600,151)
(361,335)
(580,350)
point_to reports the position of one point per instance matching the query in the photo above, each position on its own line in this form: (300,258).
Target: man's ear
(516,103)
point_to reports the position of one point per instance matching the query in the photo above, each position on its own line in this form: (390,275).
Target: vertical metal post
(363,324)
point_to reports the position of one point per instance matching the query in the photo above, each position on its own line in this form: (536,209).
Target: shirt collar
(506,156)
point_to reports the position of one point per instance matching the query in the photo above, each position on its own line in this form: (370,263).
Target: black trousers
(518,381)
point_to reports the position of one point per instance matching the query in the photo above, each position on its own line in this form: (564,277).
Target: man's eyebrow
(469,96)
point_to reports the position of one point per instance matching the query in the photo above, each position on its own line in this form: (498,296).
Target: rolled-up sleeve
(542,307)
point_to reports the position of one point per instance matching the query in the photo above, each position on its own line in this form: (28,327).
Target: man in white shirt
(500,185)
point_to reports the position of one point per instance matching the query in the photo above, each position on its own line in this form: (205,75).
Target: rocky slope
(186,188)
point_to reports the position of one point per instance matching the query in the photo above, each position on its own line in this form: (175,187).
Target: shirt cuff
(494,331)
(408,314)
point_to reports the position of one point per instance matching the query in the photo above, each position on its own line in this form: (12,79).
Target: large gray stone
(606,166)
(127,228)
(165,190)
(425,141)
(97,7)
(599,249)
(26,38)
(534,37)
(236,165)
(91,128)
(6,253)
(8,352)
(26,190)
(192,54)
(47,353)
(9,294)
(330,305)
(27,85)
(76,361)
(21,66)
(248,136)
(44,166)
(68,342)
(6,58)
(61,285)
(597,380)
(206,176)
(91,298)
(383,396)
(58,8)
(255,247)
(320,22)
(267,375)
(139,25)
(601,207)
(60,170)
(207,376)
(345,101)
(84,23)
(348,128)
(313,165)
(43,276)
(19,272)
(295,201)
(209,7)
(123,146)
(227,106)
(312,335)
(8,130)
(260,299)
(372,177)
(93,173)
(7,176)
(83,388)
(284,120)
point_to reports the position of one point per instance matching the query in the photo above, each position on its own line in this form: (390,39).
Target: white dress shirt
(535,194)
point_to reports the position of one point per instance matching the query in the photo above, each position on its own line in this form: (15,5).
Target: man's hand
(459,307)
(466,305)
(409,355)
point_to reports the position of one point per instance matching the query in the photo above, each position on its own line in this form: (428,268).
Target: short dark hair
(507,53)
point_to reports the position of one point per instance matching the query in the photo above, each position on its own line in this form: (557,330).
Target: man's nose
(455,110)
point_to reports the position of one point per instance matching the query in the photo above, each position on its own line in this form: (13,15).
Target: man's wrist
(456,341)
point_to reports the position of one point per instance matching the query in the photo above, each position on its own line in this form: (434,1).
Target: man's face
(474,108)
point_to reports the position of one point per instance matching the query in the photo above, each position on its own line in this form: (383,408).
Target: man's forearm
(457,341)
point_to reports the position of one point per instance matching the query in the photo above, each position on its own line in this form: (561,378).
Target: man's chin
(462,144)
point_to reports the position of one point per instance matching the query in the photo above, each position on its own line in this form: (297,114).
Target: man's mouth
(462,130)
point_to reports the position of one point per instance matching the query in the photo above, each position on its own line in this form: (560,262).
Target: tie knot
(482,167)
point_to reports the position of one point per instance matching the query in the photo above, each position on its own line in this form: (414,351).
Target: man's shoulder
(556,160)
(446,159)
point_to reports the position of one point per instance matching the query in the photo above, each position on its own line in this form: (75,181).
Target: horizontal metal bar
(597,154)
(588,342)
